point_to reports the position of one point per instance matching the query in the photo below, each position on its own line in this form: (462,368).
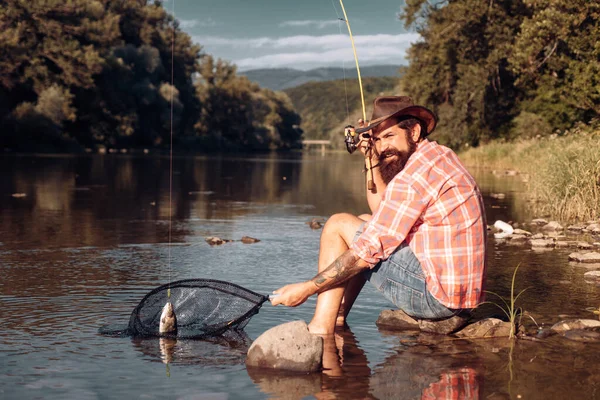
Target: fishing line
(171,143)
(340,20)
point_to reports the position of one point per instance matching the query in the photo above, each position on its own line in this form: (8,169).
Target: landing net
(204,308)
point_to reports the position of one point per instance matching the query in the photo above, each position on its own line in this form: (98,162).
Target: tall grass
(563,172)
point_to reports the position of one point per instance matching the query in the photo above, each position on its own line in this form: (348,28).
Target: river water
(84,238)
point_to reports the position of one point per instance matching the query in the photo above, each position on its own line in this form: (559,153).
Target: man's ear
(416,133)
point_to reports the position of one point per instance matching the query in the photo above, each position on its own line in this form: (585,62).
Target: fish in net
(203,307)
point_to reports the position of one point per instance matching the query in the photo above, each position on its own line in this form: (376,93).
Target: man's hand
(295,294)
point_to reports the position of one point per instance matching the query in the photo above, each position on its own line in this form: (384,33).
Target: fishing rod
(351,138)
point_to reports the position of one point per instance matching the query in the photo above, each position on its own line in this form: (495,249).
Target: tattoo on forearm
(342,269)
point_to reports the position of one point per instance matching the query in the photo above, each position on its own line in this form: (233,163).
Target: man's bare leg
(353,288)
(336,238)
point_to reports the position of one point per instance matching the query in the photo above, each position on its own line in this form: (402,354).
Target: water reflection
(90,239)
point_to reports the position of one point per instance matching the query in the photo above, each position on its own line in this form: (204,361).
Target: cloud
(319,24)
(192,23)
(305,51)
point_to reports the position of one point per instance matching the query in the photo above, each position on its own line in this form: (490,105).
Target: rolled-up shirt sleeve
(398,213)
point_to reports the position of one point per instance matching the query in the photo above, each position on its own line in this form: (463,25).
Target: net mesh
(203,307)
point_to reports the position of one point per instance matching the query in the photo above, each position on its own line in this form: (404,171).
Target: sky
(300,34)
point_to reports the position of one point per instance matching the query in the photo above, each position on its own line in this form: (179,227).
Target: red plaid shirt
(435,206)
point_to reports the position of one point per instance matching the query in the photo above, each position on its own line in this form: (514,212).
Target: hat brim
(419,112)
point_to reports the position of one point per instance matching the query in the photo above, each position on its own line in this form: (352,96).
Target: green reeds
(563,173)
(509,307)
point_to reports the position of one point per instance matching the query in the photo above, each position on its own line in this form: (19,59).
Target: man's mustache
(388,153)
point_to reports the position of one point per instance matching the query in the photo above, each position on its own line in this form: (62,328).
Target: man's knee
(342,224)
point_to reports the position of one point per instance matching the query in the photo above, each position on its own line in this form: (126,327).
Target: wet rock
(216,241)
(552,226)
(315,223)
(576,227)
(289,347)
(544,333)
(521,232)
(443,327)
(486,328)
(19,195)
(498,196)
(511,172)
(562,243)
(593,228)
(596,244)
(396,320)
(589,257)
(571,324)
(537,236)
(518,238)
(582,335)
(584,245)
(592,276)
(249,240)
(539,221)
(542,243)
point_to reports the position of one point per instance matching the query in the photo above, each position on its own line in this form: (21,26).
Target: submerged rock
(486,328)
(289,347)
(592,276)
(590,257)
(571,324)
(248,240)
(582,335)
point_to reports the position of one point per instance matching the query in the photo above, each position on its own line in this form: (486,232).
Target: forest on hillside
(504,69)
(121,74)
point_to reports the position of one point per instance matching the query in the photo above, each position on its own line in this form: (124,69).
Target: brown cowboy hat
(396,106)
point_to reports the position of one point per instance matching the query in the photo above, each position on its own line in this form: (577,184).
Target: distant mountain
(326,107)
(283,78)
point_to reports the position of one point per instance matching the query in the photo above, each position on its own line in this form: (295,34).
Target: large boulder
(288,347)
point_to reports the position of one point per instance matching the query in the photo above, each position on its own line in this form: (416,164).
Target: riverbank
(562,173)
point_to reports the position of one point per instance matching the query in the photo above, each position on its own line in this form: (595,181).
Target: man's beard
(389,167)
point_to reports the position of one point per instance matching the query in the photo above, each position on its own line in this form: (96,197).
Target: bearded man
(424,245)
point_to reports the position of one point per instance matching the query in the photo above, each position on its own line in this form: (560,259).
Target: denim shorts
(401,280)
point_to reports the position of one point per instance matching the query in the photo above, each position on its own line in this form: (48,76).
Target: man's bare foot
(340,322)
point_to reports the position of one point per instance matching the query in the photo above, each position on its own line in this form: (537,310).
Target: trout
(168,321)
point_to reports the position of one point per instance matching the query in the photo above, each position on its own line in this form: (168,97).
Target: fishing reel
(353,137)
